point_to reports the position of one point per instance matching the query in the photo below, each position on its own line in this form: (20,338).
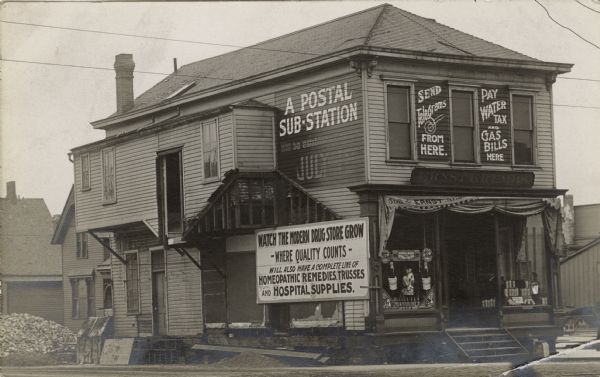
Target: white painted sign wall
(324,261)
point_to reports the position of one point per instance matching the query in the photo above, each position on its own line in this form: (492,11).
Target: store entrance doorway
(470,243)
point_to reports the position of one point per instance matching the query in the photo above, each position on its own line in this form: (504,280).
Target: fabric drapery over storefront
(390,204)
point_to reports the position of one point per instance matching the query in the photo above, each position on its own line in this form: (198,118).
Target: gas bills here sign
(313,262)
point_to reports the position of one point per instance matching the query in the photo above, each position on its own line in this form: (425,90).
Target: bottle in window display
(392,279)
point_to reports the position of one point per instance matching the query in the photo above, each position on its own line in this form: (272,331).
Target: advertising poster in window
(320,136)
(494,125)
(313,262)
(433,121)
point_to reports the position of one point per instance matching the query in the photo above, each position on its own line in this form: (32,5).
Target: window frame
(475,116)
(215,178)
(132,311)
(86,183)
(82,245)
(533,131)
(113,199)
(161,156)
(412,114)
(88,299)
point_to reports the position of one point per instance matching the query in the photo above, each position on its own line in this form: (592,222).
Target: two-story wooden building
(441,141)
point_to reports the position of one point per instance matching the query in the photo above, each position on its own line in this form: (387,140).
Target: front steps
(489,345)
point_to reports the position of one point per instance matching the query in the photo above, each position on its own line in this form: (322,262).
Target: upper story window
(399,122)
(109,184)
(85,172)
(81,250)
(463,126)
(105,252)
(210,149)
(171,192)
(522,112)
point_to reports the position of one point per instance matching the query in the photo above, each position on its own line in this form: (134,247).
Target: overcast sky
(46,110)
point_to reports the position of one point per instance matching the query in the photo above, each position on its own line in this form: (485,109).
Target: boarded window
(210,149)
(85,172)
(522,107)
(463,126)
(399,120)
(82,245)
(241,289)
(132,283)
(172,195)
(109,185)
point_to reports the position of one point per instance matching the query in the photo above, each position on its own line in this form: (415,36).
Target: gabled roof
(379,28)
(66,216)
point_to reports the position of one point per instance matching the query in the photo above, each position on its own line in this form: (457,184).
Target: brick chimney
(11,191)
(124,66)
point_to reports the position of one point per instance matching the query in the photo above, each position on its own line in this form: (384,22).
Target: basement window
(171,193)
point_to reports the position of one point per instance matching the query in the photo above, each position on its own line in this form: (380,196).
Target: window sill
(401,162)
(86,189)
(109,203)
(466,164)
(211,180)
(526,167)
(129,314)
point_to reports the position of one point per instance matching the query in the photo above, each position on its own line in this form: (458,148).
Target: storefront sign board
(324,261)
(471,178)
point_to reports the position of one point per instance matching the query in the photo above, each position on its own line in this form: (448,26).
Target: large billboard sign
(320,134)
(324,261)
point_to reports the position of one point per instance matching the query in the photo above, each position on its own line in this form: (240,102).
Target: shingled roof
(381,27)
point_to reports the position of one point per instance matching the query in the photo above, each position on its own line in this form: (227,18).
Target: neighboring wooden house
(580,269)
(30,267)
(441,141)
(86,279)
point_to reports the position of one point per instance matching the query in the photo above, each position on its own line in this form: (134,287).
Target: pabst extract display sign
(433,121)
(320,135)
(313,262)
(494,125)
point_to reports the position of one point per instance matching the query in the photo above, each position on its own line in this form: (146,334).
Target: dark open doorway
(470,242)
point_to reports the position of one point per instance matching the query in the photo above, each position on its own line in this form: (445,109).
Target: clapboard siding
(136,175)
(354,314)
(184,294)
(341,200)
(385,172)
(254,138)
(72,264)
(580,278)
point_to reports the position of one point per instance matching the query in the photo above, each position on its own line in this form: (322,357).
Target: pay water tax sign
(313,262)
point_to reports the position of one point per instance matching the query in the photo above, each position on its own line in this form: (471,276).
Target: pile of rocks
(25,333)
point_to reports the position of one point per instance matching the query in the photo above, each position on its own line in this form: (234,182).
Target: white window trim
(218,157)
(534,135)
(114,158)
(412,125)
(476,136)
(86,186)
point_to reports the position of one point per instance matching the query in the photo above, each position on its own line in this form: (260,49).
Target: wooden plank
(262,351)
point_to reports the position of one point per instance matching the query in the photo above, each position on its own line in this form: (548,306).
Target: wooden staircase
(489,345)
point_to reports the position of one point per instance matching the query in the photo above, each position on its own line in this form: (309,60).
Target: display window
(407,264)
(523,263)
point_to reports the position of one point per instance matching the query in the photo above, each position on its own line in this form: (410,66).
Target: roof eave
(549,67)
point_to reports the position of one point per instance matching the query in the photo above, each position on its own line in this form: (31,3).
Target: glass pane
(522,113)
(462,109)
(398,104)
(399,139)
(523,147)
(463,144)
